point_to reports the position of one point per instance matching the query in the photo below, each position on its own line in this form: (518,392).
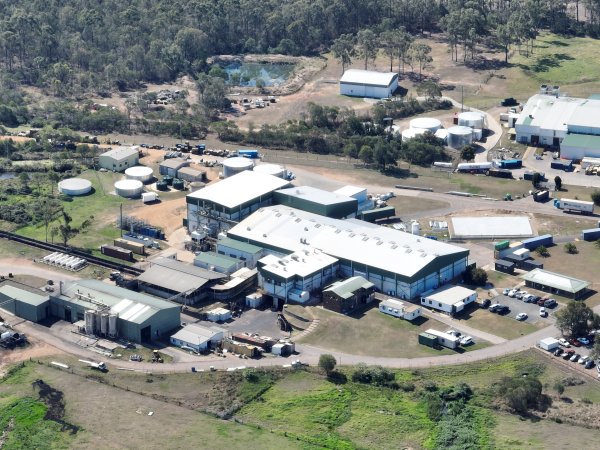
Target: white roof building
(368,83)
(119,159)
(301,264)
(394,261)
(556,283)
(198,337)
(450,299)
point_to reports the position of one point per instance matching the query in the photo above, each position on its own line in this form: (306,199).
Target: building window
(440,305)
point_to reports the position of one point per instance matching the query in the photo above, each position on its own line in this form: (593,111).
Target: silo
(97,321)
(104,324)
(90,321)
(74,186)
(426,123)
(459,136)
(232,166)
(410,133)
(112,325)
(471,119)
(415,228)
(129,188)
(139,173)
(270,169)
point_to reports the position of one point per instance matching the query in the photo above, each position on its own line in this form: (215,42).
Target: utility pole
(462,98)
(121,220)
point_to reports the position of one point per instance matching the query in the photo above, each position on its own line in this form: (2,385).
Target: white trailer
(148,197)
(582,207)
(549,344)
(474,167)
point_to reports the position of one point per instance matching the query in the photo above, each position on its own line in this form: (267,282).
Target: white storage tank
(459,136)
(471,119)
(442,134)
(270,169)
(75,186)
(112,325)
(90,322)
(415,228)
(426,123)
(140,173)
(410,133)
(129,188)
(104,324)
(232,166)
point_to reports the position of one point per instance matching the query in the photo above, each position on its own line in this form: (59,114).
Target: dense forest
(79,46)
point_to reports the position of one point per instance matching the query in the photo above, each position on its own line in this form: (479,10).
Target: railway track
(91,259)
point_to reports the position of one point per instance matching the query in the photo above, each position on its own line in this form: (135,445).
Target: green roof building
(24,301)
(218,263)
(348,295)
(317,201)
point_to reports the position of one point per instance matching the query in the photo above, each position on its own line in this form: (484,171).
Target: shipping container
(135,247)
(427,339)
(252,154)
(117,252)
(531,264)
(474,167)
(500,173)
(501,245)
(535,242)
(511,164)
(565,164)
(443,165)
(582,207)
(372,215)
(541,196)
(593,234)
(504,266)
(528,175)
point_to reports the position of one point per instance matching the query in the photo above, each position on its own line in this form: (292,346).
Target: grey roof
(120,153)
(368,77)
(555,280)
(196,334)
(316,195)
(131,306)
(174,163)
(25,296)
(449,295)
(216,259)
(177,276)
(346,288)
(191,171)
(238,245)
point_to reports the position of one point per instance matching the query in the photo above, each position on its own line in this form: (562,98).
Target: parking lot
(252,321)
(531,309)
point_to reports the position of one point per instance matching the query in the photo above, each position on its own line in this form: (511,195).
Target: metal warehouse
(178,281)
(398,263)
(556,283)
(23,301)
(317,201)
(139,317)
(171,166)
(368,83)
(221,205)
(218,263)
(248,253)
(198,338)
(346,295)
(119,158)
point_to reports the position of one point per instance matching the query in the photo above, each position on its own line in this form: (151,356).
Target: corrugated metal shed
(368,77)
(346,288)
(555,280)
(177,276)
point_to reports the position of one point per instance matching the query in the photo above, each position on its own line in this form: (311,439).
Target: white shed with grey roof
(368,83)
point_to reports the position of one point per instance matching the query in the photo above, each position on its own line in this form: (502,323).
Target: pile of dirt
(54,400)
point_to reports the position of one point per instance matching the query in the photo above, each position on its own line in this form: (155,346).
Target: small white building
(450,299)
(197,337)
(368,83)
(218,315)
(400,309)
(254,300)
(521,254)
(445,339)
(548,344)
(119,159)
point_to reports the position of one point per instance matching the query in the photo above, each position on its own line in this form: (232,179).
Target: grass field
(503,326)
(375,334)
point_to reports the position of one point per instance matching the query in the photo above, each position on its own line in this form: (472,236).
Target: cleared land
(376,334)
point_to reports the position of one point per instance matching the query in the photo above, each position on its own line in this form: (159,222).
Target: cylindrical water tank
(178,184)
(75,186)
(97,321)
(442,134)
(471,119)
(410,133)
(168,179)
(104,324)
(459,136)
(90,322)
(415,228)
(426,123)
(162,186)
(270,169)
(112,325)
(232,166)
(140,173)
(195,185)
(129,188)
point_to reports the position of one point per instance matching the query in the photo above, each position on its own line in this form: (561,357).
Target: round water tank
(426,123)
(471,119)
(232,166)
(270,169)
(415,228)
(75,186)
(178,184)
(129,188)
(459,136)
(442,134)
(410,133)
(140,173)
(195,185)
(168,179)
(162,186)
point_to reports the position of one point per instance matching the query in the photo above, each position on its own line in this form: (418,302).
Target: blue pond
(246,74)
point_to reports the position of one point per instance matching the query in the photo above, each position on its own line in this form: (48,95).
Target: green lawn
(375,334)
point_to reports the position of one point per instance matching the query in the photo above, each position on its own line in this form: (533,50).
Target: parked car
(559,351)
(453,332)
(550,303)
(568,354)
(574,342)
(589,364)
(583,341)
(533,299)
(521,316)
(543,312)
(494,307)
(527,298)
(503,309)
(505,291)
(575,357)
(564,342)
(466,340)
(486,303)
(521,294)
(541,301)
(583,360)
(512,292)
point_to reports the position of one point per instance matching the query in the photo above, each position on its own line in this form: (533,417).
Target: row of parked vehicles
(571,355)
(546,302)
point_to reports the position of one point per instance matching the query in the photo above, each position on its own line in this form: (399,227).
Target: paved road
(463,327)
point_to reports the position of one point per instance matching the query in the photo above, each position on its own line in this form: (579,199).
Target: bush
(327,363)
(377,375)
(596,197)
(475,275)
(571,248)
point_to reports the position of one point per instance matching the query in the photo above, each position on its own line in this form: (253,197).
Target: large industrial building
(248,253)
(397,263)
(368,83)
(571,123)
(119,159)
(178,281)
(318,201)
(221,205)
(23,301)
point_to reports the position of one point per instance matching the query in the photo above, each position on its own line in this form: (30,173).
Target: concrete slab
(491,227)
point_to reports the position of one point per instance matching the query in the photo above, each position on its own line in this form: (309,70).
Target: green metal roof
(217,260)
(527,120)
(594,97)
(238,245)
(555,280)
(582,140)
(346,288)
(23,295)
